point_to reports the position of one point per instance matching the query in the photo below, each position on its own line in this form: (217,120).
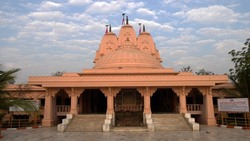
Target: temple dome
(128,57)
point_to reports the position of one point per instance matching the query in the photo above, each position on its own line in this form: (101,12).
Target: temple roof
(127,51)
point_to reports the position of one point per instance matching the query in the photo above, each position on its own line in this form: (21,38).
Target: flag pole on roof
(110,28)
(139,28)
(106,28)
(123,20)
(126,20)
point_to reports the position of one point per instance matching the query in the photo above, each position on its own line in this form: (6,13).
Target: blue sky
(42,37)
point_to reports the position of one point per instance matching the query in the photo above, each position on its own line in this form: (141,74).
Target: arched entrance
(164,100)
(93,101)
(128,108)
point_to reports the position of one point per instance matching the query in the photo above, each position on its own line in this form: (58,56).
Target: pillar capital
(74,91)
(182,90)
(205,90)
(109,91)
(51,91)
(146,91)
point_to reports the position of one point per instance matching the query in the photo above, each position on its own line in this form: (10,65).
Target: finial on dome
(143,30)
(110,28)
(126,20)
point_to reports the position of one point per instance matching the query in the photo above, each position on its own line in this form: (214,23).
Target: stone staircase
(170,122)
(86,123)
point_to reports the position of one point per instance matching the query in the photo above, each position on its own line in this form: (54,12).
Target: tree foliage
(240,74)
(6,100)
(57,73)
(186,69)
(204,72)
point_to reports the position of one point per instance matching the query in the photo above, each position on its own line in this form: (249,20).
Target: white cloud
(245,18)
(47,16)
(212,14)
(49,5)
(133,5)
(168,1)
(79,2)
(153,25)
(102,7)
(211,32)
(182,40)
(177,53)
(218,65)
(224,46)
(180,14)
(147,12)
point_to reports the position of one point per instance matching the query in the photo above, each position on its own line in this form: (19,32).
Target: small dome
(127,32)
(128,57)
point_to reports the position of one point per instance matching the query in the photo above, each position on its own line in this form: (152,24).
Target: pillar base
(211,121)
(183,111)
(47,123)
(74,112)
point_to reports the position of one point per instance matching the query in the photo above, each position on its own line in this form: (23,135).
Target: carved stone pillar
(110,93)
(49,110)
(74,93)
(208,105)
(146,92)
(182,92)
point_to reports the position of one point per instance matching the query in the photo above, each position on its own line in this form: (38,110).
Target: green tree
(186,69)
(57,73)
(7,77)
(204,72)
(240,74)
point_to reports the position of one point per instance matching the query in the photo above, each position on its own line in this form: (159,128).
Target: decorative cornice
(109,91)
(147,91)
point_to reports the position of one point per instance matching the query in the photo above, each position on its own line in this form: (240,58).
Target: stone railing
(128,107)
(194,108)
(62,110)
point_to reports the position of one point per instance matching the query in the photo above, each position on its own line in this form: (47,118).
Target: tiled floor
(205,134)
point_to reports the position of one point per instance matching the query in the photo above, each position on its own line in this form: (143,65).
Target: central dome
(127,57)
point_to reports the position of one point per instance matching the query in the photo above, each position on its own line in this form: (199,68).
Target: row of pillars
(110,93)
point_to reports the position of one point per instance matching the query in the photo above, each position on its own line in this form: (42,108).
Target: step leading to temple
(86,123)
(170,122)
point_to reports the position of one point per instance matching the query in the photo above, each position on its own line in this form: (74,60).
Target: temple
(127,77)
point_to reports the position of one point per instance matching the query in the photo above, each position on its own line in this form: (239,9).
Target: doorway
(93,101)
(128,108)
(164,101)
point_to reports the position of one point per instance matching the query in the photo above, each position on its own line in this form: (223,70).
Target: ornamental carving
(74,91)
(147,91)
(52,91)
(205,90)
(181,90)
(110,91)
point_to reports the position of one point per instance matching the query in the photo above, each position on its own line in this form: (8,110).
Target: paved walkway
(205,134)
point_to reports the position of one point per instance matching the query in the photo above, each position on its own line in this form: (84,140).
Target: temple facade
(127,76)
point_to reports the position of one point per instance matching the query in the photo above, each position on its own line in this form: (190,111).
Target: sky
(42,37)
